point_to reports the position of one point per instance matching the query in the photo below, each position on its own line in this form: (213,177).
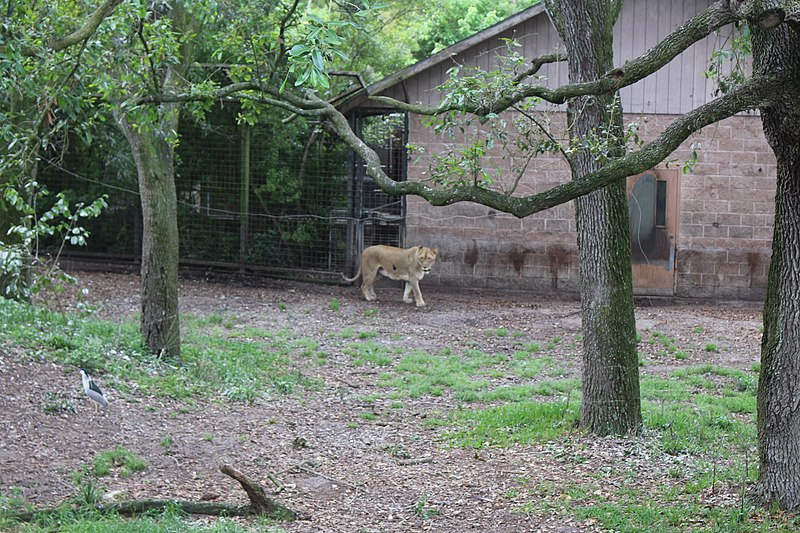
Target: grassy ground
(699,419)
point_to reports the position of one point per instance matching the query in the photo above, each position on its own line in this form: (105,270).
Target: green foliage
(11,500)
(473,87)
(90,492)
(215,361)
(448,21)
(295,169)
(524,422)
(168,521)
(609,141)
(24,269)
(691,161)
(57,403)
(642,512)
(423,510)
(485,136)
(167,442)
(728,67)
(309,59)
(369,352)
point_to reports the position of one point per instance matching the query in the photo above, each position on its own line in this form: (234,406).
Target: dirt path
(345,472)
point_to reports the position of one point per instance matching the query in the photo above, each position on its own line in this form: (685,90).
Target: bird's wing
(93,386)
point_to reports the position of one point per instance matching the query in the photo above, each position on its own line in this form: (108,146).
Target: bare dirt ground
(344,472)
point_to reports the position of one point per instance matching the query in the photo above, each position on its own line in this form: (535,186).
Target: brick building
(705,233)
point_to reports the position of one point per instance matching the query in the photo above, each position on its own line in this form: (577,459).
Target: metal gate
(375,216)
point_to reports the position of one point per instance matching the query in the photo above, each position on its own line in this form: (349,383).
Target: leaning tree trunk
(154,155)
(611,403)
(778,391)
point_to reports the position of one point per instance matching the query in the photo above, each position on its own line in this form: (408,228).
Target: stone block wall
(726,209)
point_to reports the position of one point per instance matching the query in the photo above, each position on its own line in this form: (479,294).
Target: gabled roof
(378,87)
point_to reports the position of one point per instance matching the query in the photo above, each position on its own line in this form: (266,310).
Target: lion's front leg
(413,284)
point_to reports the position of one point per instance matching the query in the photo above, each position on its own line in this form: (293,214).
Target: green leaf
(299,49)
(319,62)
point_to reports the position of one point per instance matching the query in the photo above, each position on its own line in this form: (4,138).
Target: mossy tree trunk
(153,153)
(610,375)
(778,391)
(152,135)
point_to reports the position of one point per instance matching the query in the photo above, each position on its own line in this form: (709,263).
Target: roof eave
(453,50)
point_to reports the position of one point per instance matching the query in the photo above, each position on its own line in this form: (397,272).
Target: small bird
(92,390)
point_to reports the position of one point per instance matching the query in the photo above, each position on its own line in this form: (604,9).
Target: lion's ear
(435,251)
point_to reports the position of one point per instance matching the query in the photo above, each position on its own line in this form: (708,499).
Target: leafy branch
(23,268)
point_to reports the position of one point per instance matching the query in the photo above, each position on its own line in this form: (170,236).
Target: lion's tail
(351,280)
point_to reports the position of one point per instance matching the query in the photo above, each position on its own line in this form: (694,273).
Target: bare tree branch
(756,92)
(537,63)
(253,91)
(753,93)
(89,26)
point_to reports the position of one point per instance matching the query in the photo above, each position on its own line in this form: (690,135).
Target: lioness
(409,265)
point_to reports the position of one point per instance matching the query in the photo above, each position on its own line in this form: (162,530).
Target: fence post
(244,198)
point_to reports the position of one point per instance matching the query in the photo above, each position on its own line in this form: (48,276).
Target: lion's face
(426,257)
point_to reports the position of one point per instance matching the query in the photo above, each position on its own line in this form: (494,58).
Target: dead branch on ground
(260,504)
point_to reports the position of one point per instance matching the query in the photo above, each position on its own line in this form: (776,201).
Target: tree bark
(260,503)
(152,134)
(778,394)
(610,374)
(153,154)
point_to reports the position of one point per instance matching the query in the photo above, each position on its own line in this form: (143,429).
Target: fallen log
(260,504)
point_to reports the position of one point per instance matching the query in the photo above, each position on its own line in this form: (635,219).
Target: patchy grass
(70,521)
(218,358)
(120,460)
(523,422)
(370,352)
(699,419)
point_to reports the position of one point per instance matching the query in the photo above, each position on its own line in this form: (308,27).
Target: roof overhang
(356,98)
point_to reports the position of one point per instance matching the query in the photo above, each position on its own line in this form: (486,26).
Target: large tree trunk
(611,403)
(152,136)
(778,390)
(154,156)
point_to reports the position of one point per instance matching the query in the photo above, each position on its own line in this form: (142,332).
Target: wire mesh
(274,196)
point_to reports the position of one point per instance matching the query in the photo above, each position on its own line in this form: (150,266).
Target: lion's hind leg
(367,289)
(407,288)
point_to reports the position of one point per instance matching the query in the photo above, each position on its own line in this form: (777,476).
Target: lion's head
(426,257)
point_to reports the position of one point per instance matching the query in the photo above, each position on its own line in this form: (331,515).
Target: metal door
(653,214)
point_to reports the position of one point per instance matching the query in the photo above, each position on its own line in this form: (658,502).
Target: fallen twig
(260,503)
(415,461)
(301,466)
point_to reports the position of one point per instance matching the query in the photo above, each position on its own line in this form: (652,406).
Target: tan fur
(409,265)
